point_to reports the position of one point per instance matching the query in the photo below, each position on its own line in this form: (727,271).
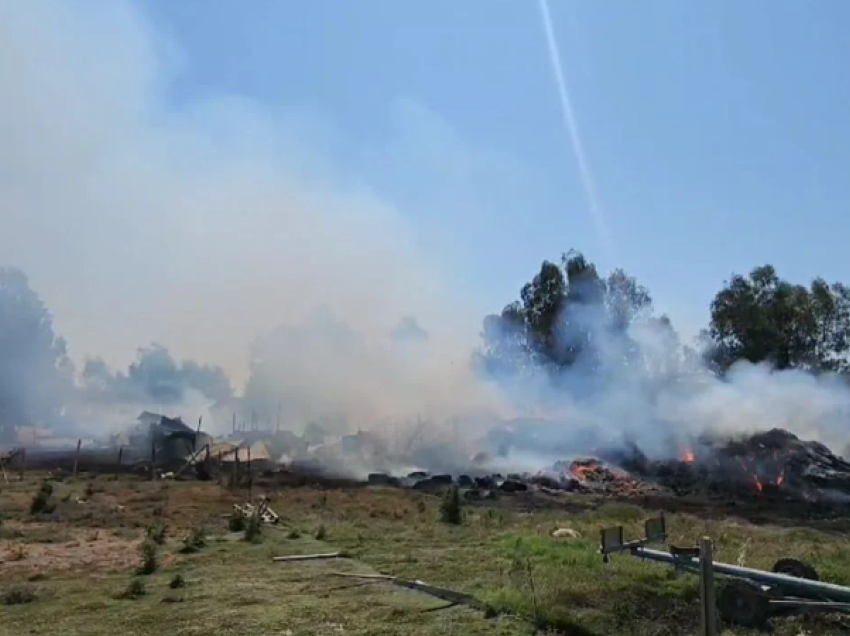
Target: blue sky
(716,132)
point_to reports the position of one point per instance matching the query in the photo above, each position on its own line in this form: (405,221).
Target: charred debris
(771,465)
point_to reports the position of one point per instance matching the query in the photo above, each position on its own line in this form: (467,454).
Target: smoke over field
(208,226)
(214,226)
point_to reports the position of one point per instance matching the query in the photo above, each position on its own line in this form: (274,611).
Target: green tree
(566,315)
(763,318)
(155,375)
(36,376)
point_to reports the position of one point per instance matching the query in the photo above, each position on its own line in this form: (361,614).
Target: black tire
(743,604)
(795,567)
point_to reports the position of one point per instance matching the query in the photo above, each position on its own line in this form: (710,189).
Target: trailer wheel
(795,567)
(744,604)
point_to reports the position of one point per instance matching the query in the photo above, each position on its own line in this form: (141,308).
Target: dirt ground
(74,568)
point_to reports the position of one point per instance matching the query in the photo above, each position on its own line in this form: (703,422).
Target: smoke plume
(209,223)
(36,376)
(586,356)
(212,225)
(155,377)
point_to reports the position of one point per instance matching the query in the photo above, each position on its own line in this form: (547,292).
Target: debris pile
(779,459)
(261,511)
(774,463)
(594,475)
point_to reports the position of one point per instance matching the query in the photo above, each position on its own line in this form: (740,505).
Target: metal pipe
(811,606)
(792,584)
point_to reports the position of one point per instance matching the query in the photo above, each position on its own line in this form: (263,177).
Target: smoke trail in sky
(572,129)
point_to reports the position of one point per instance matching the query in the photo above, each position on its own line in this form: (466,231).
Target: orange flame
(780,478)
(688,457)
(759,486)
(580,471)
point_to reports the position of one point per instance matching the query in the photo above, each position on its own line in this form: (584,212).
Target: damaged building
(171,438)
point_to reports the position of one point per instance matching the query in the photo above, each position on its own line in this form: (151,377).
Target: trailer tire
(795,567)
(744,604)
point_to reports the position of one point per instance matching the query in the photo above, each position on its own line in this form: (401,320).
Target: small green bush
(194,541)
(135,589)
(41,500)
(252,530)
(177,582)
(450,509)
(236,522)
(19,595)
(150,561)
(156,533)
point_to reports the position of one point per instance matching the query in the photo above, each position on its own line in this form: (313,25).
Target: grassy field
(71,569)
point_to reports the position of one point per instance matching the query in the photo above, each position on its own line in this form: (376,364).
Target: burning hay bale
(780,459)
(592,470)
(774,463)
(593,475)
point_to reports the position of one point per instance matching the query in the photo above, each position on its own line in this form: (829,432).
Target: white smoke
(646,389)
(205,226)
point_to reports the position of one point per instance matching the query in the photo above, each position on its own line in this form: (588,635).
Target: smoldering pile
(770,466)
(587,476)
(774,463)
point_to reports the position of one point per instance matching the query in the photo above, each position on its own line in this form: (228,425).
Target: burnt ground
(781,512)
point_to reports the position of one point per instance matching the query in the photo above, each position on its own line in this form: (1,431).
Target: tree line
(568,318)
(38,379)
(571,318)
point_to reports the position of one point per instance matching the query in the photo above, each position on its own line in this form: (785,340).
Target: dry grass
(504,557)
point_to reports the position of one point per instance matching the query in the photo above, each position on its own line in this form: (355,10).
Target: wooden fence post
(153,459)
(708,606)
(250,478)
(77,457)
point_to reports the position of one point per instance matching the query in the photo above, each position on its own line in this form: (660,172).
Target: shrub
(135,589)
(156,533)
(41,500)
(321,533)
(149,558)
(450,510)
(252,528)
(194,541)
(177,582)
(19,595)
(236,522)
